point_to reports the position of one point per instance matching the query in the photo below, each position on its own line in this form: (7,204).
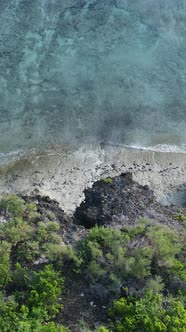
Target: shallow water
(92,71)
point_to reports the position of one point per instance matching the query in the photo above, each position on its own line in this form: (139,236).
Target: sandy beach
(63,174)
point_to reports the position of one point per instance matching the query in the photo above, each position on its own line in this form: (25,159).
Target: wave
(6,157)
(9,155)
(19,154)
(159,148)
(156,148)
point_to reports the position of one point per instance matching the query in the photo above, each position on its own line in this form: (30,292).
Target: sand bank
(63,174)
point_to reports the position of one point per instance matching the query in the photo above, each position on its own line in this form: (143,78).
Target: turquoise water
(92,71)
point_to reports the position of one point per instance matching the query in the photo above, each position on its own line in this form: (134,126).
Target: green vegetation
(181,217)
(142,268)
(112,257)
(147,263)
(107,180)
(30,285)
(30,238)
(152,313)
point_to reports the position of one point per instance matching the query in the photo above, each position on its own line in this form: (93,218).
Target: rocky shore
(118,203)
(63,174)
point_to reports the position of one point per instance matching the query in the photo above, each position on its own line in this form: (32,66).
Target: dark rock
(127,176)
(108,201)
(46,206)
(45,203)
(120,201)
(146,187)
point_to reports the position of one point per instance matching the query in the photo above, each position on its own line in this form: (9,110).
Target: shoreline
(64,173)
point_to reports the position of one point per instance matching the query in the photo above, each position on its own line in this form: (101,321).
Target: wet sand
(63,174)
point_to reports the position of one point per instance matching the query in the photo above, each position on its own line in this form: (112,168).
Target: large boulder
(113,200)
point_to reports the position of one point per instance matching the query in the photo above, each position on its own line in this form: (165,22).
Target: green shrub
(107,180)
(5,264)
(112,257)
(102,329)
(12,205)
(152,313)
(181,217)
(29,237)
(106,254)
(31,289)
(45,290)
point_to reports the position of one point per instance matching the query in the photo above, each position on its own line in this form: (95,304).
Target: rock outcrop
(120,201)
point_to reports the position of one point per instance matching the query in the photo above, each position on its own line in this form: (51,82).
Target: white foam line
(158,148)
(4,157)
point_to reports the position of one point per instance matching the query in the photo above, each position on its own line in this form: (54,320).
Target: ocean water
(92,71)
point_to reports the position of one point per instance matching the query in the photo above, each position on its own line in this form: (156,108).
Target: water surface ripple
(92,71)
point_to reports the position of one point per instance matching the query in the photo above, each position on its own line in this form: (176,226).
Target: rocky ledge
(119,201)
(112,202)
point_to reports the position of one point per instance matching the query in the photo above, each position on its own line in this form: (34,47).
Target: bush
(29,238)
(134,256)
(152,313)
(31,289)
(5,264)
(103,253)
